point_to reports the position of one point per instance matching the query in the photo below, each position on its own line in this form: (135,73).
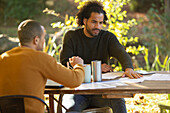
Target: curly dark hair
(87,9)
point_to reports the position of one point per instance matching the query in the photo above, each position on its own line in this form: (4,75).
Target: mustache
(96,29)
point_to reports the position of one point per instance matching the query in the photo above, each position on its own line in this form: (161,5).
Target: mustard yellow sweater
(25,71)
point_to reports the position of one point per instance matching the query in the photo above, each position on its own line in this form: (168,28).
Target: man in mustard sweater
(24,70)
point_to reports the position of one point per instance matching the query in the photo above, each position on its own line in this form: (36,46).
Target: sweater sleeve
(116,50)
(59,73)
(67,49)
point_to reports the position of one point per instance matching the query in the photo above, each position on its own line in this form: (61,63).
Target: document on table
(101,85)
(93,85)
(143,72)
(52,84)
(165,77)
(129,80)
(159,77)
(112,75)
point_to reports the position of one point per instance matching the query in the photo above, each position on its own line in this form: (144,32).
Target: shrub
(21,9)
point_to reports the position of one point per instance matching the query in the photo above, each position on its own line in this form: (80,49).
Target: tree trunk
(167,7)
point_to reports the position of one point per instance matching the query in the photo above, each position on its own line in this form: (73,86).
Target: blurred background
(142,26)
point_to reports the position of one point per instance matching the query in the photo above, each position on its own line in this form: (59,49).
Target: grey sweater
(101,47)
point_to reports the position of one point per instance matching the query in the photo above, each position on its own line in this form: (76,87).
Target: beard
(92,31)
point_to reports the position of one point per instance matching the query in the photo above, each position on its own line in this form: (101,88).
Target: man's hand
(129,72)
(106,68)
(76,60)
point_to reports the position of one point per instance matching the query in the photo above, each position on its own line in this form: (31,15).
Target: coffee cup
(87,70)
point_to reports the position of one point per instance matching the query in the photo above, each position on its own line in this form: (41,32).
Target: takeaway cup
(87,69)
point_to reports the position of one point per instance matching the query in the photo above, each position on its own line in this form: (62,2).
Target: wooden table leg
(51,103)
(59,107)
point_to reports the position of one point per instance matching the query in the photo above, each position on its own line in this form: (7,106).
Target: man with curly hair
(92,43)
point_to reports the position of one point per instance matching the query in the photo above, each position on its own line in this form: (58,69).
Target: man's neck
(87,34)
(28,46)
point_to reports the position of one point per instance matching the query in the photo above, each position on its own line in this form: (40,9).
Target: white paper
(52,83)
(101,85)
(94,85)
(129,80)
(159,77)
(112,75)
(143,72)
(114,83)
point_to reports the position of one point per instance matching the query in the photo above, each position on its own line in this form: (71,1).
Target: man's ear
(36,40)
(84,21)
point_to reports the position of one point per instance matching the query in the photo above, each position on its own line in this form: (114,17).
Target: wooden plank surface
(132,88)
(144,87)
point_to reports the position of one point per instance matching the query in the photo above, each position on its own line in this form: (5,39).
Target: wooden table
(118,92)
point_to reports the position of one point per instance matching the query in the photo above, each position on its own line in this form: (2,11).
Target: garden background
(142,27)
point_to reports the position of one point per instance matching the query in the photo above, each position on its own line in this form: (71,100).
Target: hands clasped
(76,60)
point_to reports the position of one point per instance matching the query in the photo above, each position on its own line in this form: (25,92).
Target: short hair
(87,9)
(28,30)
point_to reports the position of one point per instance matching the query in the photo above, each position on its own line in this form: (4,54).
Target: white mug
(87,70)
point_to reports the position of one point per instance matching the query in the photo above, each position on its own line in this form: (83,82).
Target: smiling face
(93,25)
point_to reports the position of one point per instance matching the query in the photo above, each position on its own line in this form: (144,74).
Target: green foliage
(167,69)
(52,49)
(157,65)
(143,5)
(156,30)
(22,9)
